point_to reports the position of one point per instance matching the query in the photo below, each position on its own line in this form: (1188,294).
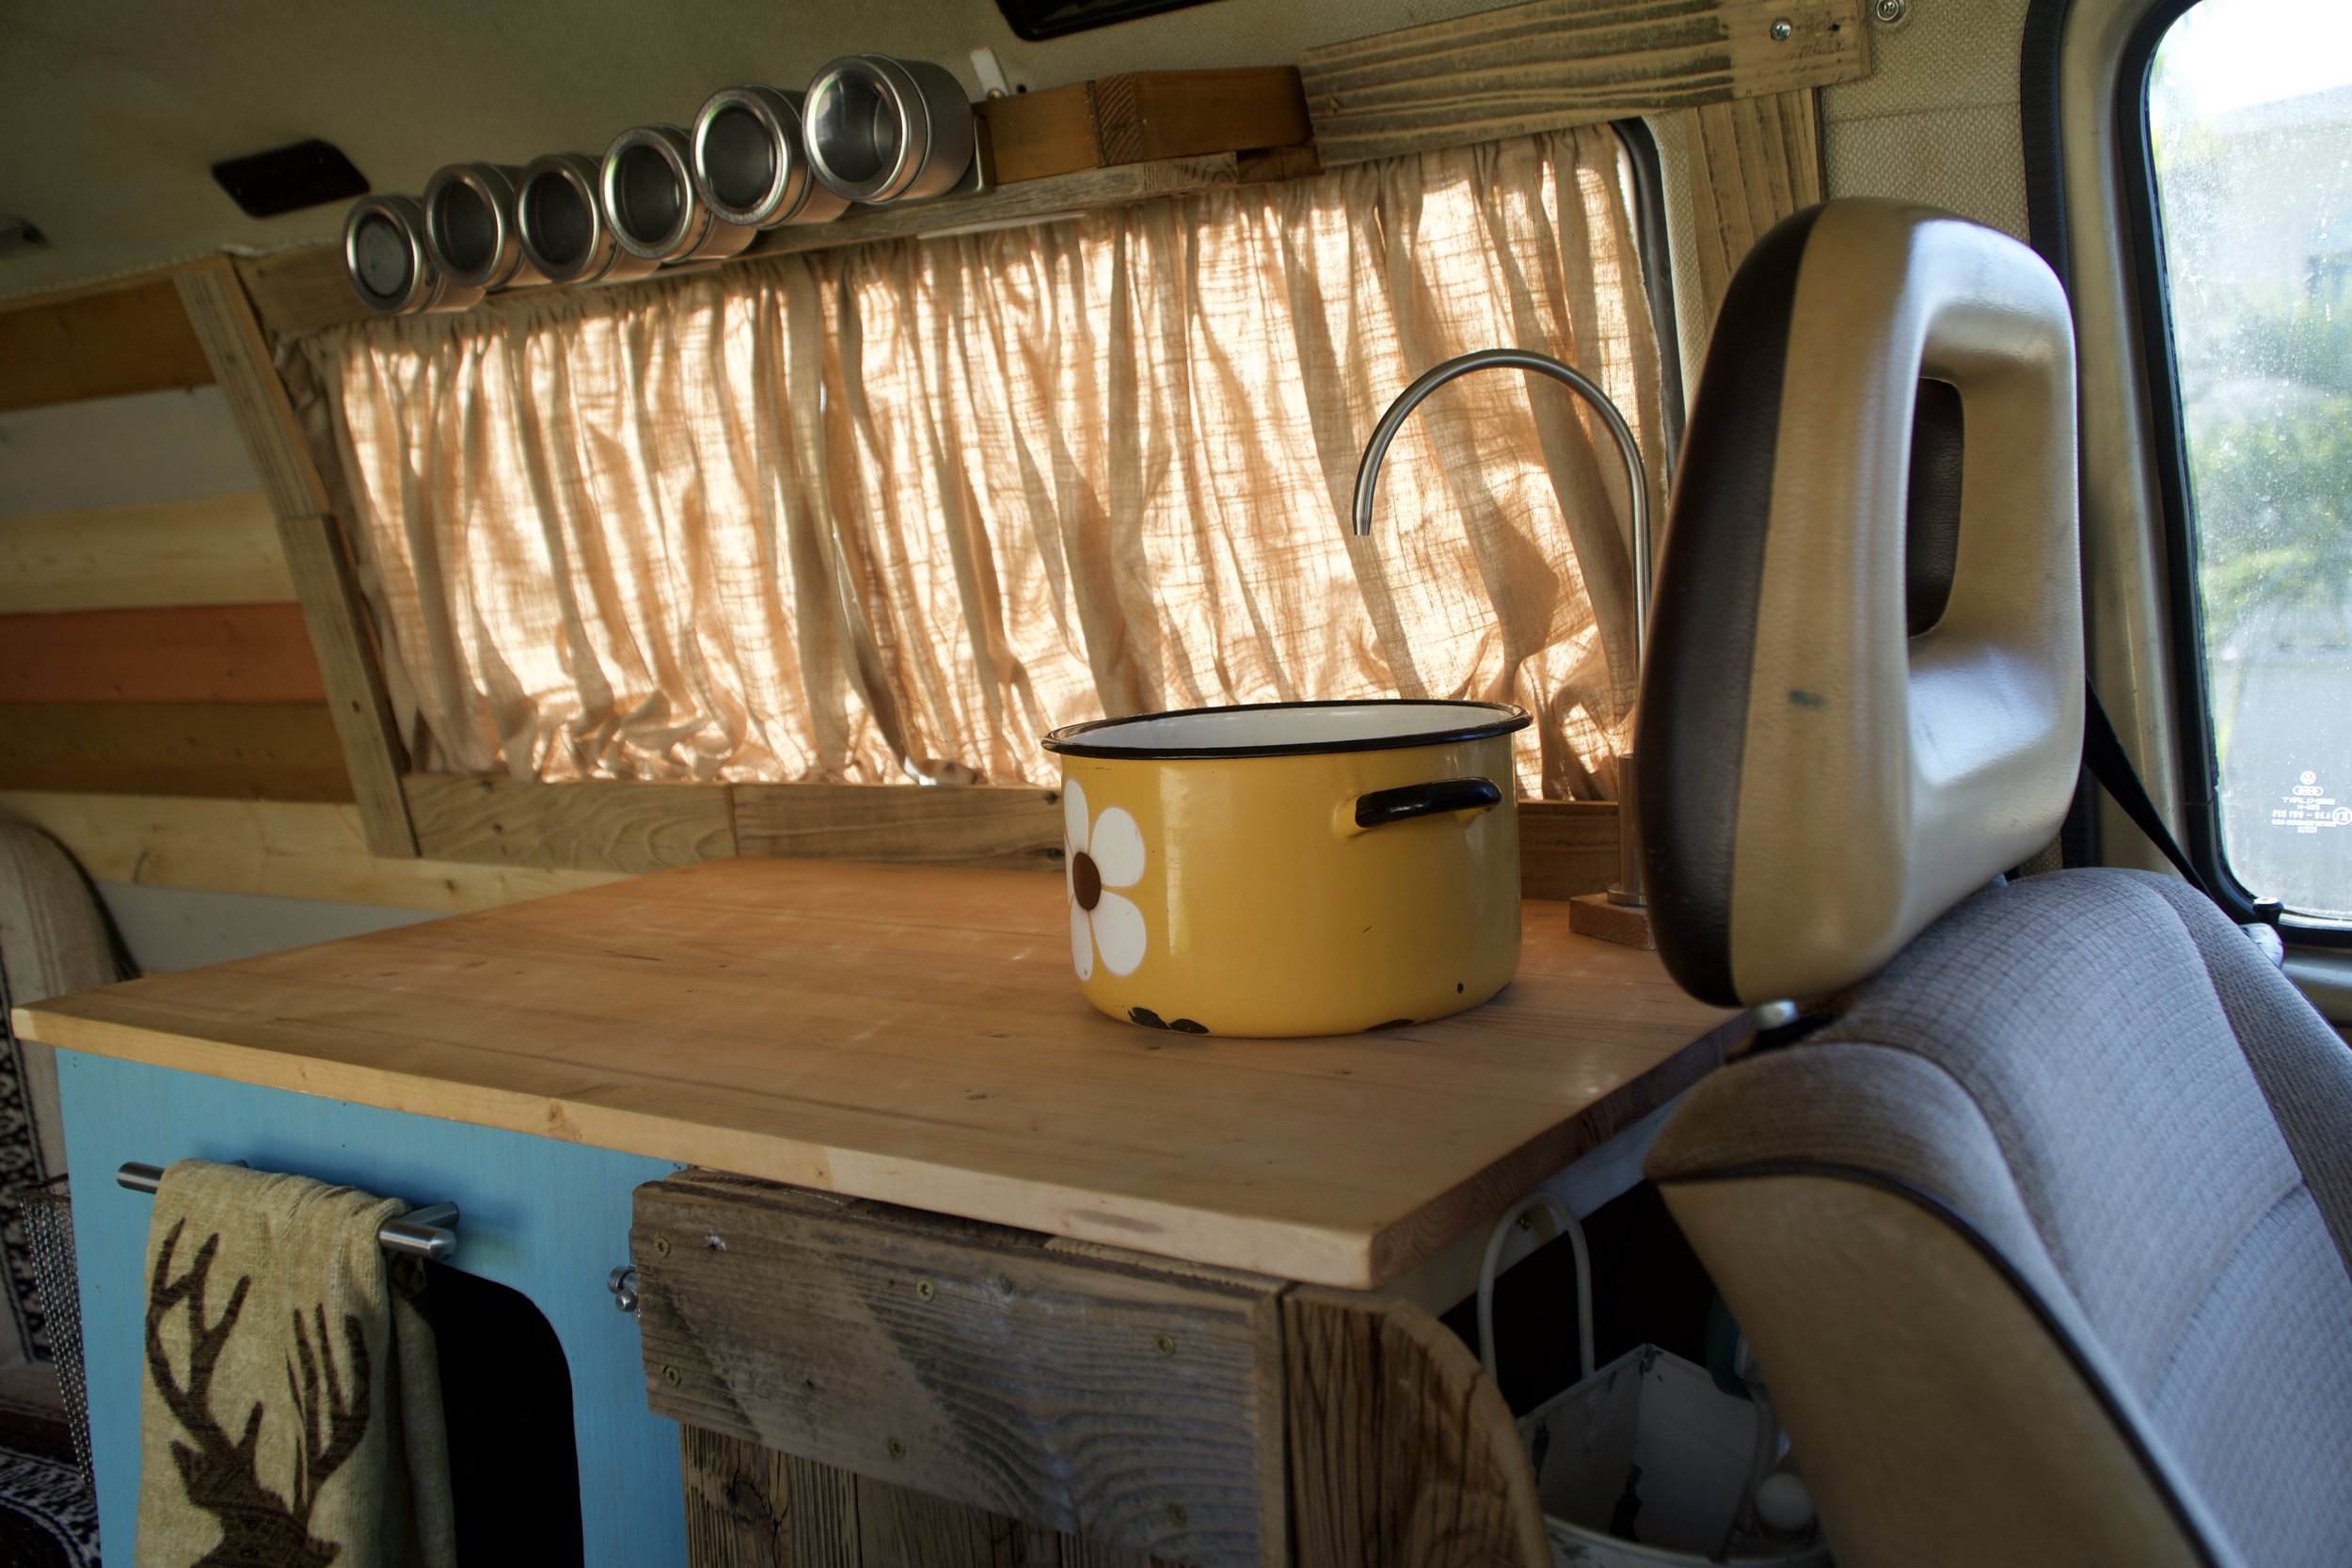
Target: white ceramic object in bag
(1644,1463)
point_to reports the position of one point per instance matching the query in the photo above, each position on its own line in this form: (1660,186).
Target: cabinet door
(542,1217)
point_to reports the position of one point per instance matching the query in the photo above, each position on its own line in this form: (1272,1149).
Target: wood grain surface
(252,653)
(1754,163)
(913,1035)
(1554,63)
(987,827)
(276,849)
(317,557)
(1135,1407)
(215,550)
(232,751)
(1403,1452)
(98,344)
(609,825)
(754,1507)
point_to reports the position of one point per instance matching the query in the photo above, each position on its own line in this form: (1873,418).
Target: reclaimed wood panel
(1566,847)
(1036,136)
(1032,201)
(251,653)
(276,849)
(300,290)
(1006,828)
(913,1035)
(215,550)
(134,339)
(235,751)
(968,1362)
(1754,163)
(316,554)
(593,824)
(137,451)
(751,1507)
(1403,1453)
(1142,115)
(1554,63)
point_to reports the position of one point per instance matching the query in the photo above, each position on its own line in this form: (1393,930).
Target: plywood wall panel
(99,344)
(254,751)
(214,549)
(279,849)
(184,653)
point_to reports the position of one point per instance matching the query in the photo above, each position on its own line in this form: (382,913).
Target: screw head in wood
(925,1290)
(1163,1343)
(1782,30)
(897,1449)
(661,1246)
(668,1375)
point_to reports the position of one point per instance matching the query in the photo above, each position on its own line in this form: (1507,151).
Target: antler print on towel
(259,1528)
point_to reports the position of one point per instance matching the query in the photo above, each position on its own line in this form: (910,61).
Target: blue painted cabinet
(545,1218)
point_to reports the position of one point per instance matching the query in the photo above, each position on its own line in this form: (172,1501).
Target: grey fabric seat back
(2040,1237)
(2099,1134)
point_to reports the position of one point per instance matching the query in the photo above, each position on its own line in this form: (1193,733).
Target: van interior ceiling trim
(1038,20)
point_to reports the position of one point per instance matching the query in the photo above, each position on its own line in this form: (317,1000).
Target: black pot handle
(1384,806)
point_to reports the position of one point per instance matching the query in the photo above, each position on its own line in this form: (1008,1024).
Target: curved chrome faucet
(1628,889)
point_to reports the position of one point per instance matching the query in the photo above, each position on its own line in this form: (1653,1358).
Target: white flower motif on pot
(1103,852)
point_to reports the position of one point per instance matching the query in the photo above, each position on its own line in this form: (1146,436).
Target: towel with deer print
(292,1411)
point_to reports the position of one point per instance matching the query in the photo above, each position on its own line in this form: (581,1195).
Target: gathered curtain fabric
(903,507)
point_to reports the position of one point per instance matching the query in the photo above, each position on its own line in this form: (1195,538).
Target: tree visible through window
(2251,121)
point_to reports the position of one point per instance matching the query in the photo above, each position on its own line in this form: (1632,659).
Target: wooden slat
(300,290)
(1554,63)
(914,1036)
(219,549)
(316,551)
(593,825)
(278,849)
(99,345)
(1009,204)
(1036,136)
(253,652)
(247,751)
(987,827)
(1144,115)
(1566,847)
(1129,1405)
(1752,163)
(1403,1453)
(751,1507)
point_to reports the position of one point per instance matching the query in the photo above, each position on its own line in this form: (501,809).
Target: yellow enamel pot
(1293,868)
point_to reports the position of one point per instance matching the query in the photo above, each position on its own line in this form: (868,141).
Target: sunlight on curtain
(808,517)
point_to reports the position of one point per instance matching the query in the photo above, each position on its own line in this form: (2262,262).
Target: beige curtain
(909,505)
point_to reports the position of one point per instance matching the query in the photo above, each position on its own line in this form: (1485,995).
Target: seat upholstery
(2090,1112)
(2040,1226)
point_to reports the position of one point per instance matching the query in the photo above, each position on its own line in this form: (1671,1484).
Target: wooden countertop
(914,1036)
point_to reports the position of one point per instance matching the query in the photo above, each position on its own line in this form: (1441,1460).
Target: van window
(2249,123)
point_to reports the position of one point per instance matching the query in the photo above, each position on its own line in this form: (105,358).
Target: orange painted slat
(248,652)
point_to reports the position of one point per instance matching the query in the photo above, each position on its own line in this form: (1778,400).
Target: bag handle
(1488,1266)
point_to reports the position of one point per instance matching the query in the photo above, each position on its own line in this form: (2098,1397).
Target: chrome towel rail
(419,1233)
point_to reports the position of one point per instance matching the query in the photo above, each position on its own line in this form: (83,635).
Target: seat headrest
(1863,694)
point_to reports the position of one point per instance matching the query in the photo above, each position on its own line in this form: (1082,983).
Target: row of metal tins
(869,130)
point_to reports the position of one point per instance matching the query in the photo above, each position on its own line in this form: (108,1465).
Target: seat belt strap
(2104,754)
